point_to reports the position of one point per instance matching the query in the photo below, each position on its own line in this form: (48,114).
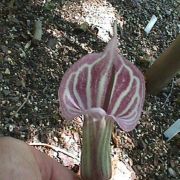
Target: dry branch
(57,149)
(164,68)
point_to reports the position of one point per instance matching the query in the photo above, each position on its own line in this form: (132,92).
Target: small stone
(171,172)
(52,43)
(22,54)
(9,51)
(76,17)
(4,49)
(55,139)
(84,26)
(22,135)
(155,48)
(20,83)
(28,44)
(16,115)
(161,114)
(6,92)
(76,136)
(158,8)
(11,128)
(7,71)
(168,12)
(9,59)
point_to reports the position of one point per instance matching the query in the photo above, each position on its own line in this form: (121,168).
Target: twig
(57,149)
(23,103)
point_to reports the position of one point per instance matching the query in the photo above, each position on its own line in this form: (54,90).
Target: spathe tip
(115,28)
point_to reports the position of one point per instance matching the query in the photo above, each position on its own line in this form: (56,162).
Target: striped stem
(95,158)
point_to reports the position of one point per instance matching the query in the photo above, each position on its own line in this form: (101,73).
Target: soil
(31,71)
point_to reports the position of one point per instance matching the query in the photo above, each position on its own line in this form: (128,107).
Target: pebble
(6,92)
(11,128)
(55,139)
(161,114)
(158,8)
(7,71)
(16,115)
(9,51)
(168,12)
(4,49)
(36,108)
(155,48)
(52,43)
(22,135)
(171,172)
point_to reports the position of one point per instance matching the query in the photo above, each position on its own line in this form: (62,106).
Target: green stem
(95,157)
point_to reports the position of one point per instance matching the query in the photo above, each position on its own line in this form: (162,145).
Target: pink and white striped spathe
(103,84)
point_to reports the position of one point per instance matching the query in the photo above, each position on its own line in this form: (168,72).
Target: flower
(103,85)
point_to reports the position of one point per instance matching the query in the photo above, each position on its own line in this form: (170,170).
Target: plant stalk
(95,157)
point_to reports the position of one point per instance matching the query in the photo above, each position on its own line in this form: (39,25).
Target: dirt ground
(31,71)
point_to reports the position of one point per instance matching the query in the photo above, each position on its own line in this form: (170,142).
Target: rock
(38,30)
(172,172)
(6,92)
(55,139)
(28,44)
(158,8)
(122,171)
(155,48)
(4,49)
(7,71)
(11,128)
(20,83)
(84,26)
(52,43)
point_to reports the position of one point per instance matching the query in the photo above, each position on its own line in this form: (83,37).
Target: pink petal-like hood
(103,84)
